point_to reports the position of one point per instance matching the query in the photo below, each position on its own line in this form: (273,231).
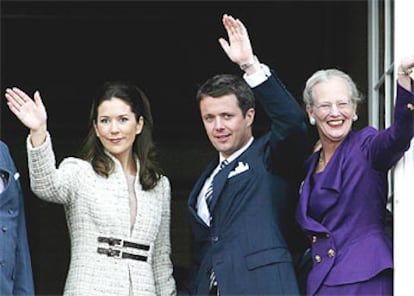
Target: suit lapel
(307,222)
(4,164)
(6,169)
(192,200)
(218,183)
(331,181)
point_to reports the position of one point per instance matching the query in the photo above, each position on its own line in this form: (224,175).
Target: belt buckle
(115,253)
(115,242)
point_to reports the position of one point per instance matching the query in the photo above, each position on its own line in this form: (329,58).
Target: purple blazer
(347,239)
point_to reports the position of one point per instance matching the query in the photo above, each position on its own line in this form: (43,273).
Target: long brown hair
(144,147)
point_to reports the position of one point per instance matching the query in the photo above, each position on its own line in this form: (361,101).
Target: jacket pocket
(267,257)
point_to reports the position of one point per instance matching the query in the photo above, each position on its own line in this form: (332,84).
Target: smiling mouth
(115,141)
(222,138)
(335,123)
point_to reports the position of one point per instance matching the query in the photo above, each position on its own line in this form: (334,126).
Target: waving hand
(238,47)
(32,113)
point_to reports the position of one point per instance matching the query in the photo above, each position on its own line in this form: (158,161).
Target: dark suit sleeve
(288,128)
(286,154)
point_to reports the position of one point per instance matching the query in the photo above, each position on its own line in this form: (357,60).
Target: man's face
(226,127)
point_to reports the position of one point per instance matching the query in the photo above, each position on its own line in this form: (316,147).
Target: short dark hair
(225,84)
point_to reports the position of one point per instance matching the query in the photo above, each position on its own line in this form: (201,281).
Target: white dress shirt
(2,182)
(202,209)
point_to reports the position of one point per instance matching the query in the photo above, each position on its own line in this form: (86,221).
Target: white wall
(404,173)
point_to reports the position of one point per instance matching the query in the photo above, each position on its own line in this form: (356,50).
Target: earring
(355,117)
(312,120)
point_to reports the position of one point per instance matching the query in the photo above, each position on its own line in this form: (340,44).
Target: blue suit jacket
(349,244)
(246,244)
(16,269)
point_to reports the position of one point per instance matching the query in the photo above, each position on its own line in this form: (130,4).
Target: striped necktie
(209,193)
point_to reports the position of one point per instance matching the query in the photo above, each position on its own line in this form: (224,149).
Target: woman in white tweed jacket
(116,201)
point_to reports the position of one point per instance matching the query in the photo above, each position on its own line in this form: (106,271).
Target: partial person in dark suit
(240,210)
(342,207)
(15,265)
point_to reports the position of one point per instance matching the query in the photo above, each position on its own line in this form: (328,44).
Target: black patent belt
(116,251)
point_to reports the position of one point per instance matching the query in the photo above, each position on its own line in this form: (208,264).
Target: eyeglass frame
(327,106)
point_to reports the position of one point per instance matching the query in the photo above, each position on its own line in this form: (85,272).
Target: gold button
(410,106)
(331,253)
(314,239)
(318,259)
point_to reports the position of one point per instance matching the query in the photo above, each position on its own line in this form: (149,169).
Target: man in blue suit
(241,208)
(15,265)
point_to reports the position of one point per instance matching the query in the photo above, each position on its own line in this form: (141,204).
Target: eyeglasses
(326,107)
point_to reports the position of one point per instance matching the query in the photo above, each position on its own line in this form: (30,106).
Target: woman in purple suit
(343,198)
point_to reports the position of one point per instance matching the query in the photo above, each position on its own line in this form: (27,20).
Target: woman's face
(332,109)
(117,127)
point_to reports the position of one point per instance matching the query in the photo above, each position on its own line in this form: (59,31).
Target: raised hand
(32,113)
(407,63)
(238,48)
(405,69)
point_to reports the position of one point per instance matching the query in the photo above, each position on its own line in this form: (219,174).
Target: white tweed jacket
(97,206)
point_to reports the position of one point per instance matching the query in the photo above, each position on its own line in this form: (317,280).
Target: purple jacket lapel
(307,222)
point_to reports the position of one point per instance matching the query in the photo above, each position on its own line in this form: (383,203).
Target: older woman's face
(332,109)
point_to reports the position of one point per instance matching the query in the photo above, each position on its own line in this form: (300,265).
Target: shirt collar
(237,153)
(3,181)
